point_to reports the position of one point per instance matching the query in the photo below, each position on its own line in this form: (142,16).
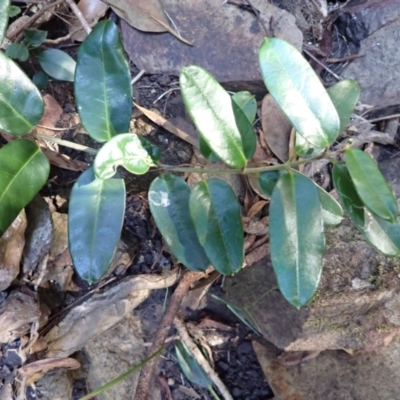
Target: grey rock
(377,71)
(225,40)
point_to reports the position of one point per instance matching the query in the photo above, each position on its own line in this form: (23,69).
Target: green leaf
(126,150)
(267,181)
(248,104)
(332,212)
(21,105)
(190,367)
(103,90)
(207,152)
(57,64)
(344,95)
(40,79)
(23,172)
(240,313)
(34,37)
(169,205)
(4,4)
(96,214)
(299,92)
(153,150)
(305,149)
(13,11)
(210,108)
(370,184)
(246,130)
(296,237)
(383,235)
(17,51)
(216,216)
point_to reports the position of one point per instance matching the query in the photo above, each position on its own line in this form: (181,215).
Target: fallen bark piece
(102,311)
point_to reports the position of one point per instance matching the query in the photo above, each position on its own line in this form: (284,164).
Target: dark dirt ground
(235,360)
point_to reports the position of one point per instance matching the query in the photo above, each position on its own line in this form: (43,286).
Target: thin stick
(383,118)
(63,38)
(65,143)
(147,372)
(322,64)
(257,14)
(138,76)
(80,16)
(185,337)
(32,19)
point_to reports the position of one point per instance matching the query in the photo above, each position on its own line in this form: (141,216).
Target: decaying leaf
(17,312)
(102,311)
(144,15)
(51,115)
(34,371)
(11,247)
(92,11)
(276,128)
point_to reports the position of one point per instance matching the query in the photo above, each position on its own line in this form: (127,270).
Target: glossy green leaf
(305,149)
(125,150)
(370,184)
(216,216)
(299,92)
(21,105)
(103,89)
(17,51)
(57,64)
(13,11)
(332,212)
(210,108)
(242,314)
(34,37)
(249,141)
(23,172)
(169,205)
(296,237)
(193,371)
(206,151)
(40,79)
(344,95)
(383,235)
(95,217)
(267,181)
(248,104)
(4,4)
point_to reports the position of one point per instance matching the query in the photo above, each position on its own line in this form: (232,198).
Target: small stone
(171,381)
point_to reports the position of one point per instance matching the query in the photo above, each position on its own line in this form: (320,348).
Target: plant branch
(245,171)
(65,143)
(147,372)
(185,337)
(79,15)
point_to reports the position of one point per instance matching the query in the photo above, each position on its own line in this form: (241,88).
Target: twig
(322,64)
(80,16)
(147,372)
(257,14)
(383,118)
(185,337)
(165,93)
(32,19)
(138,76)
(62,39)
(344,59)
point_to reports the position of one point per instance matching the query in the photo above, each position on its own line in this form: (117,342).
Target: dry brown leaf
(52,114)
(36,370)
(11,246)
(256,227)
(63,161)
(161,121)
(276,128)
(92,11)
(144,15)
(256,208)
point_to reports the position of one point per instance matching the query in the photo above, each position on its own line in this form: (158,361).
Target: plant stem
(238,170)
(65,143)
